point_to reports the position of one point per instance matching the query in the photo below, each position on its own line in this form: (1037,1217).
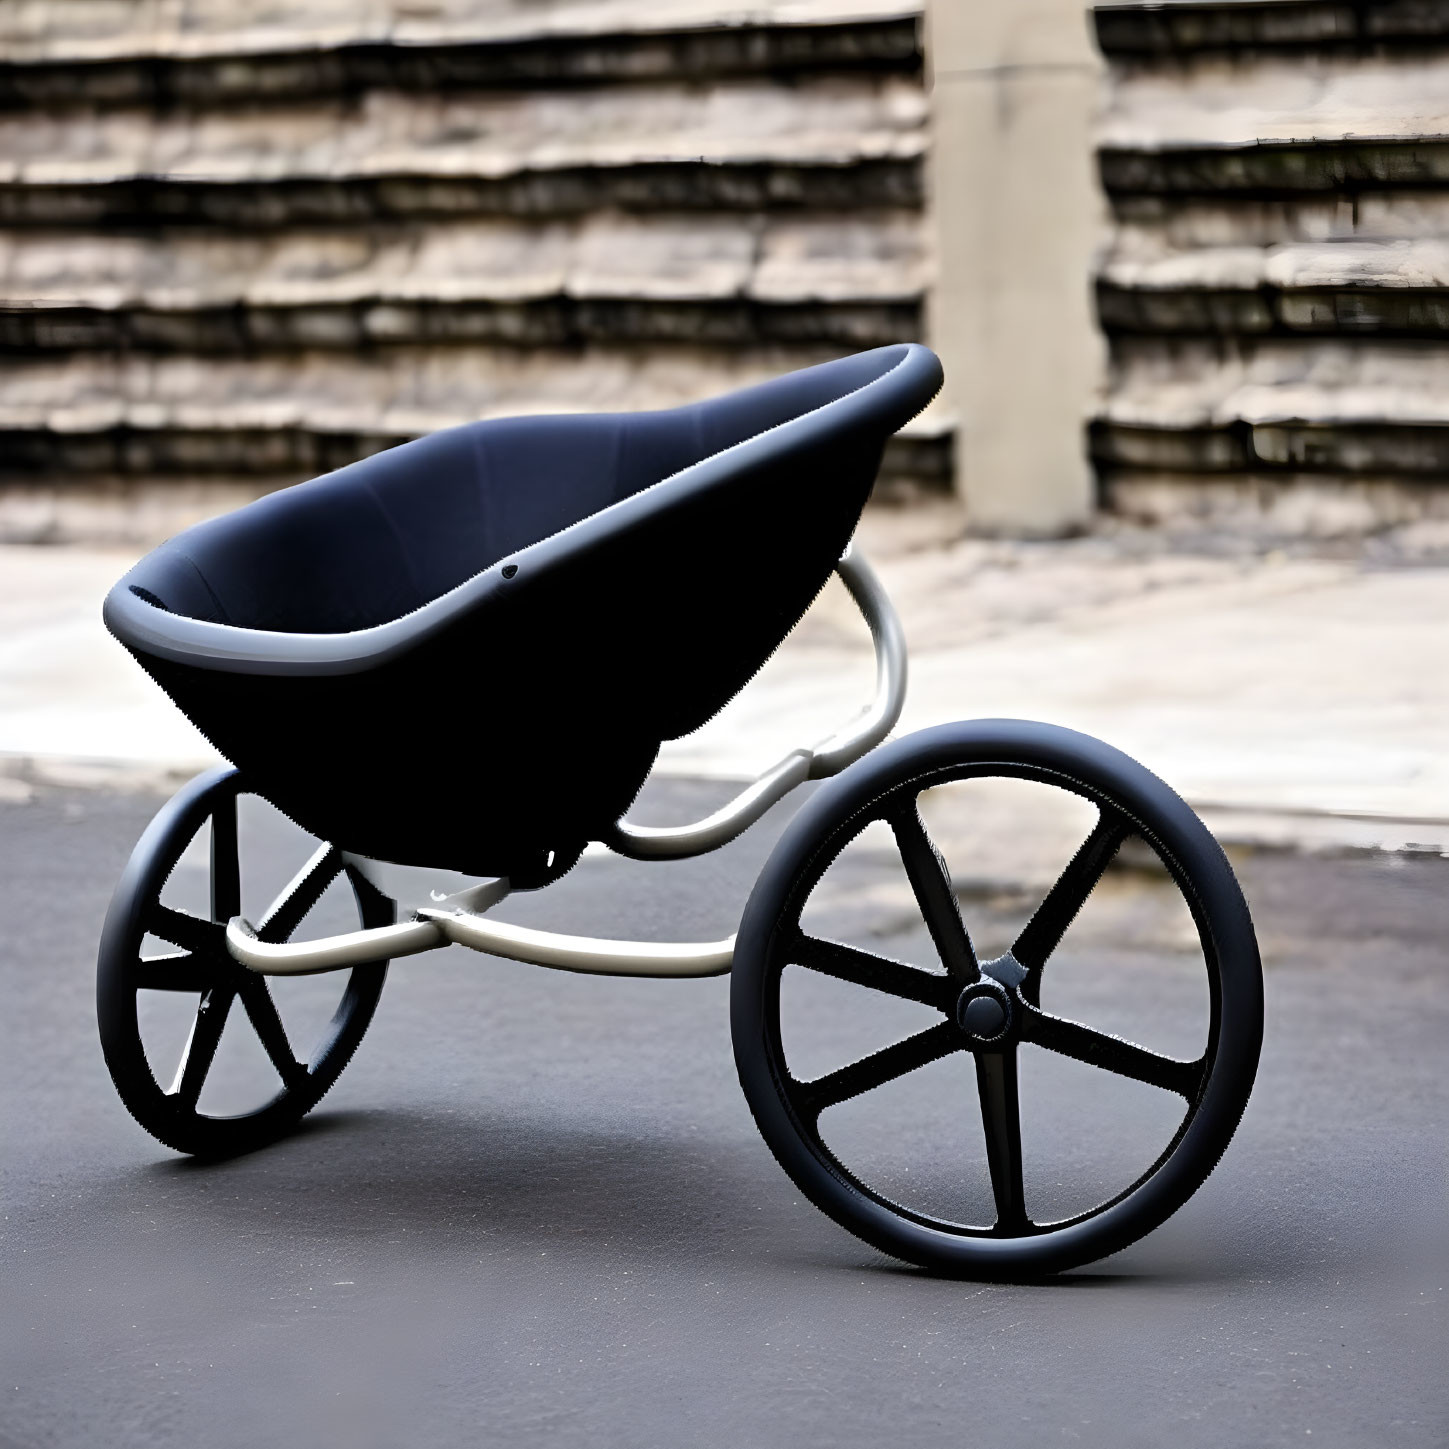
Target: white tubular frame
(829,757)
(435,928)
(451,921)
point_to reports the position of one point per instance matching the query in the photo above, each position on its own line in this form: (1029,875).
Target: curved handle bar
(829,757)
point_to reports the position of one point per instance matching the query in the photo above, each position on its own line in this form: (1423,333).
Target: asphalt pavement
(535,1209)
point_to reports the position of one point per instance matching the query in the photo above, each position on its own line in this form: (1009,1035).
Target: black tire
(203,967)
(1131,801)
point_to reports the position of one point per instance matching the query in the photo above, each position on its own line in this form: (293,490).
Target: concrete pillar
(1018,217)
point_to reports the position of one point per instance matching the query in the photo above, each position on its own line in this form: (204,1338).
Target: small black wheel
(156,953)
(987,1009)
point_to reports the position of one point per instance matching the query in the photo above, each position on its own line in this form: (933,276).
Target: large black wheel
(986,1013)
(163,946)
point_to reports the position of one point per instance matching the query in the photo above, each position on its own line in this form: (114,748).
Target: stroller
(453,664)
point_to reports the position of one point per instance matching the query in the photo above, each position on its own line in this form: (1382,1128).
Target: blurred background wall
(243,244)
(1187,262)
(1275,290)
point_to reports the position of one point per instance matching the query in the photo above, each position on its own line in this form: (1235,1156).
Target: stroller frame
(458,919)
(322,639)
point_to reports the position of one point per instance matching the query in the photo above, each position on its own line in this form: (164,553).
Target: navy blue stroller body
(453,664)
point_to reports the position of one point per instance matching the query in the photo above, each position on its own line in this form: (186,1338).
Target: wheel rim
(195,962)
(987,1009)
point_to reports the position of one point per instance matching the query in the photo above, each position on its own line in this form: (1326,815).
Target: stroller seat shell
(466,651)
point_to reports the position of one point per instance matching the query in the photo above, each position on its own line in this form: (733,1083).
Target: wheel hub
(984,1013)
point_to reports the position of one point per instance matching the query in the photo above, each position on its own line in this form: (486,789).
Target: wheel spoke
(201,1046)
(183,929)
(180,972)
(879,1068)
(879,973)
(225,861)
(303,892)
(1043,933)
(931,883)
(1001,1118)
(267,1023)
(1111,1053)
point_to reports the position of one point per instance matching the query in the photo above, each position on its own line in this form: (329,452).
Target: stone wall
(239,246)
(1276,288)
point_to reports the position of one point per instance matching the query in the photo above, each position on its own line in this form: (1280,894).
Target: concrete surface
(1297,699)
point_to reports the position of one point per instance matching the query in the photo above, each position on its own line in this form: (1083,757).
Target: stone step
(1171,31)
(1277,128)
(888,45)
(853,278)
(1297,446)
(1163,224)
(1219,104)
(563,191)
(1387,288)
(1264,170)
(304,413)
(1339,408)
(1275,505)
(835,142)
(705,44)
(150,30)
